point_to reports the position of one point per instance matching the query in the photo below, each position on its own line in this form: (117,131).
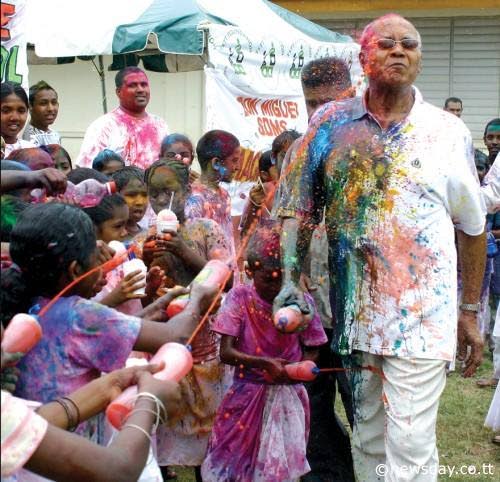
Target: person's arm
(253,209)
(65,456)
(179,328)
(50,179)
(295,240)
(274,367)
(472,254)
(94,397)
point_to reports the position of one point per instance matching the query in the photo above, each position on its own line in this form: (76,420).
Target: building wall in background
(178,98)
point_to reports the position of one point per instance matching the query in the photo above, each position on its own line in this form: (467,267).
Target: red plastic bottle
(22,334)
(87,194)
(213,273)
(178,363)
(304,371)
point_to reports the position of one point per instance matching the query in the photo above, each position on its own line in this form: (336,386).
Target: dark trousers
(329,447)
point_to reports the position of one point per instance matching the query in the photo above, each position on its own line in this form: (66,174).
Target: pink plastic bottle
(213,273)
(290,319)
(178,363)
(22,334)
(87,194)
(304,371)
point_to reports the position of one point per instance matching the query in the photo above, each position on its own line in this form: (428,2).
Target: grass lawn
(463,441)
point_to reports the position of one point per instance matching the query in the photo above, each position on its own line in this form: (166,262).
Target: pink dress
(261,430)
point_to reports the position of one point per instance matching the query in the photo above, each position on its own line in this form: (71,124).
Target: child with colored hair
(182,254)
(219,156)
(262,425)
(108,162)
(60,156)
(131,185)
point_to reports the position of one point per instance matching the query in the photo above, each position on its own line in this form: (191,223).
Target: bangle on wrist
(145,432)
(72,415)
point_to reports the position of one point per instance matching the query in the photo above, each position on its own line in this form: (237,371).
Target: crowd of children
(236,395)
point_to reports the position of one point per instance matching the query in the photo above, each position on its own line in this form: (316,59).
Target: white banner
(254,118)
(253,86)
(14,59)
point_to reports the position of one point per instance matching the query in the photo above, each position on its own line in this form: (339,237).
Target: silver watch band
(475,307)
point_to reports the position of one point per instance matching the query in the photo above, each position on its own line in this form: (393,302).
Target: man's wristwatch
(475,307)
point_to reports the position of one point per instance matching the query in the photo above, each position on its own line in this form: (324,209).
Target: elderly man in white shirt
(394,176)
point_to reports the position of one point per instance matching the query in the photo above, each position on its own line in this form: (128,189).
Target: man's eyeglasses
(389,43)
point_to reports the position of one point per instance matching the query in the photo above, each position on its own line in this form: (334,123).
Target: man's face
(134,93)
(454,108)
(492,141)
(394,65)
(44,109)
(317,96)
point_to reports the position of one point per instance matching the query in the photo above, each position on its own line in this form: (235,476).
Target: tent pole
(103,85)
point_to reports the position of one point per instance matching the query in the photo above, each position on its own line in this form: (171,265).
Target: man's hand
(291,294)
(469,336)
(53,181)
(306,284)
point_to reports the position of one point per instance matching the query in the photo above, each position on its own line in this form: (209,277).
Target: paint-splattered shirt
(392,198)
(136,140)
(80,340)
(212,204)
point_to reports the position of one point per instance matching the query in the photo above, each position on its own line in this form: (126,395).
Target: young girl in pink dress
(262,425)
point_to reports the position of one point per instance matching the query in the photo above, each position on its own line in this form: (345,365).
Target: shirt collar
(360,108)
